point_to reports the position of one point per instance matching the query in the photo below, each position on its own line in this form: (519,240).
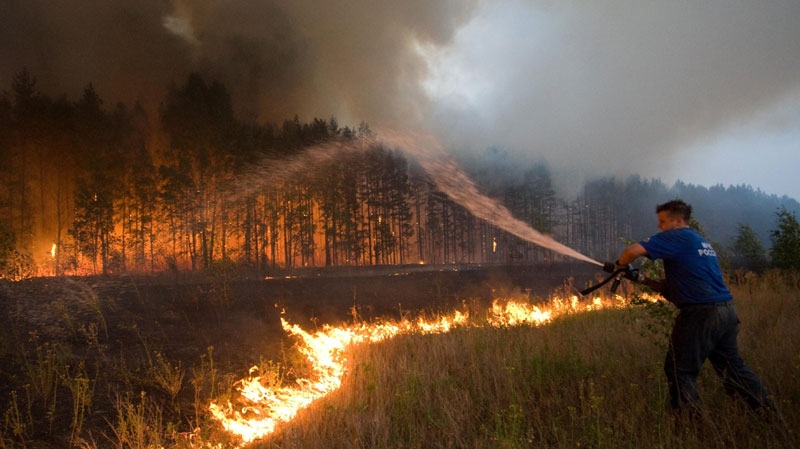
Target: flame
(54,251)
(262,408)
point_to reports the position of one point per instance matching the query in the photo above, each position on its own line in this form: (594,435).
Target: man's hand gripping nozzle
(617,273)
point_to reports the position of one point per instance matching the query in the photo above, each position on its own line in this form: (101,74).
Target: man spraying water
(707,325)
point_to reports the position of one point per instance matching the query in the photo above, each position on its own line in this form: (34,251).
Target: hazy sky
(706,92)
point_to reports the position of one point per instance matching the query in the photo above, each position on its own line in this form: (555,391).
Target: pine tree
(749,251)
(786,241)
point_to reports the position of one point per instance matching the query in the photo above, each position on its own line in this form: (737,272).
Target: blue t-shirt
(692,270)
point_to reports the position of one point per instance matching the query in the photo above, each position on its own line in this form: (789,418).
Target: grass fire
(326,351)
(470,359)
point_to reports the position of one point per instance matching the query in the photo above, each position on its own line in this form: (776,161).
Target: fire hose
(616,276)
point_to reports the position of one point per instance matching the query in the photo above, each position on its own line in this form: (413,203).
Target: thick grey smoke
(603,87)
(353,59)
(121,47)
(622,87)
(625,86)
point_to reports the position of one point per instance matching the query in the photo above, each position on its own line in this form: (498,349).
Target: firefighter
(707,325)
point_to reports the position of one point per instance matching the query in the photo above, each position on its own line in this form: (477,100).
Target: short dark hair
(677,208)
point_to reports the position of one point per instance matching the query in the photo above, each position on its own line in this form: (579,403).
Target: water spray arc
(431,155)
(451,180)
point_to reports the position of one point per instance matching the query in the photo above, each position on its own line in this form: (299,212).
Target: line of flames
(261,409)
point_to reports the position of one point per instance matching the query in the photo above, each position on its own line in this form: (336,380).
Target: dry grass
(588,380)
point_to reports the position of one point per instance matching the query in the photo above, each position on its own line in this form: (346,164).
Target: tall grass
(586,380)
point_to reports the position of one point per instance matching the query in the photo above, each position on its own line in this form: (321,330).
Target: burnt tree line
(90,189)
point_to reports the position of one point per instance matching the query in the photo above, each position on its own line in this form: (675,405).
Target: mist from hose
(451,180)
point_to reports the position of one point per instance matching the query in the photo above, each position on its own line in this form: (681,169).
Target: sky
(703,92)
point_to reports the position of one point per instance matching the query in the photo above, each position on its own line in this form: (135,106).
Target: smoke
(618,87)
(120,47)
(351,59)
(610,87)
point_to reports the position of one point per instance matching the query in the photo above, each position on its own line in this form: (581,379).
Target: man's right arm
(631,253)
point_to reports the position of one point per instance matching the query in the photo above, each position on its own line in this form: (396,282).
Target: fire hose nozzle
(617,273)
(626,271)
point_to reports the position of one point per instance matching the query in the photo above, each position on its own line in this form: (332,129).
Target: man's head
(673,214)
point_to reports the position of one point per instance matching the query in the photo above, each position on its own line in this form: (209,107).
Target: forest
(90,189)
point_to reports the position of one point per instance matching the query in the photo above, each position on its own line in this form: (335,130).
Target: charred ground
(116,330)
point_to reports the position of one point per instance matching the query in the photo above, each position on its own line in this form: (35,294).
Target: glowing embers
(265,402)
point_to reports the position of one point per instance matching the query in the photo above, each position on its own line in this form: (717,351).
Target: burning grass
(584,380)
(517,374)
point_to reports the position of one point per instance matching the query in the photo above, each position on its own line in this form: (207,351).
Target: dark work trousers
(709,332)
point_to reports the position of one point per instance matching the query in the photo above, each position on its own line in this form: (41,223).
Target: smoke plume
(591,87)
(352,59)
(623,86)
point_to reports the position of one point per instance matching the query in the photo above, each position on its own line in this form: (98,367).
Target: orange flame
(266,407)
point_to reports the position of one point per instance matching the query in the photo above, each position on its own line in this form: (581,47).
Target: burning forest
(91,190)
(87,191)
